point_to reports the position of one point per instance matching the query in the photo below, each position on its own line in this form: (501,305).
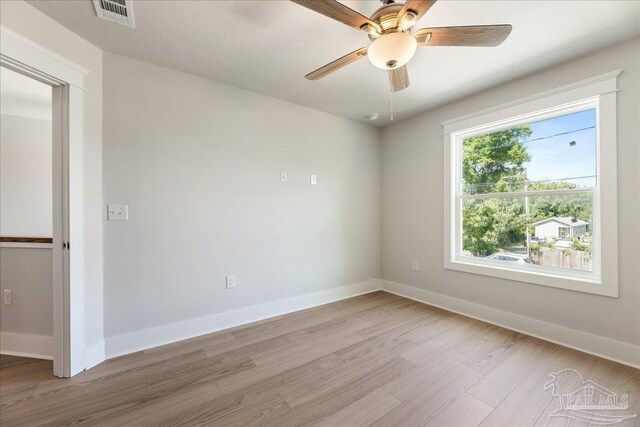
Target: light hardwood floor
(377,359)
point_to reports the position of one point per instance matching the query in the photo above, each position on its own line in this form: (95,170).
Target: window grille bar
(532,193)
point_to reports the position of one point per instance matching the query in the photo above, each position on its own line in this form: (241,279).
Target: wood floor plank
(258,412)
(422,407)
(364,411)
(316,345)
(466,411)
(275,342)
(434,366)
(156,411)
(278,327)
(119,372)
(495,355)
(530,400)
(494,387)
(526,402)
(333,401)
(351,306)
(348,370)
(457,333)
(446,323)
(376,359)
(287,361)
(191,344)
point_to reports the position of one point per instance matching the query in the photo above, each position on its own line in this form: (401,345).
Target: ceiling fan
(394,42)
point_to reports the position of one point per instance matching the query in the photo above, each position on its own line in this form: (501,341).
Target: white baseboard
(26,345)
(94,354)
(617,351)
(140,340)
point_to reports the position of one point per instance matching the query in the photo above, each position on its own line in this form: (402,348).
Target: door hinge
(65,245)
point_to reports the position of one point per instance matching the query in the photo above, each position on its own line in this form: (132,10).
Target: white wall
(25,177)
(26,326)
(27,272)
(27,21)
(548,230)
(413,206)
(199,165)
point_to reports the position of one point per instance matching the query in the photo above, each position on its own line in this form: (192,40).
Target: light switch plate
(117,212)
(231,281)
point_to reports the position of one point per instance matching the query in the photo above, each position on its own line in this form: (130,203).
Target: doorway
(26,217)
(65,81)
(29,254)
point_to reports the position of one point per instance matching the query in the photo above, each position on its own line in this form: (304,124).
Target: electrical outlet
(8,297)
(283,177)
(416,267)
(231,281)
(314,180)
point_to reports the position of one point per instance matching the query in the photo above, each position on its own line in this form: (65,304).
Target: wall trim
(21,245)
(153,337)
(94,354)
(44,60)
(119,345)
(26,345)
(617,351)
(560,89)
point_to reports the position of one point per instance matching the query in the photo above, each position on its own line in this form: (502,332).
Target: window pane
(555,153)
(562,231)
(559,230)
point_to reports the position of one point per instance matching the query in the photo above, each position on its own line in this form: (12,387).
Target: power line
(541,138)
(559,134)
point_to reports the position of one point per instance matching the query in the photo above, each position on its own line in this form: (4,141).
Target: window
(525,188)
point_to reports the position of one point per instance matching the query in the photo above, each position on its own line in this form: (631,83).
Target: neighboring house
(560,228)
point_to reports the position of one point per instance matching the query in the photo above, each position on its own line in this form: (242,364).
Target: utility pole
(526,210)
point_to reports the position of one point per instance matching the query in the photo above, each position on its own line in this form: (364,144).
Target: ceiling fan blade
(399,79)
(418,7)
(337,64)
(477,35)
(336,10)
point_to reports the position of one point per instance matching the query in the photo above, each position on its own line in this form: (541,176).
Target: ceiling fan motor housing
(387,18)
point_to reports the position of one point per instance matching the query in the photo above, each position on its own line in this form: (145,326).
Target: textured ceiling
(268,46)
(24,97)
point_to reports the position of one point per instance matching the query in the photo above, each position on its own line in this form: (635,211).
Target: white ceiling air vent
(120,11)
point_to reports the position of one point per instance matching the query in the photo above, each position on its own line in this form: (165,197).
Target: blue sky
(553,158)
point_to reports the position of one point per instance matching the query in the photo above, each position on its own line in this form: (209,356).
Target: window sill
(588,284)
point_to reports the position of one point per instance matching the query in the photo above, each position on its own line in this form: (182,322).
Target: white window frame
(598,92)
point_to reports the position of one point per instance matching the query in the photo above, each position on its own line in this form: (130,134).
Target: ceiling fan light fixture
(392,50)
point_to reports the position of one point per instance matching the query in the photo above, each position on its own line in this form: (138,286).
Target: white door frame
(67,80)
